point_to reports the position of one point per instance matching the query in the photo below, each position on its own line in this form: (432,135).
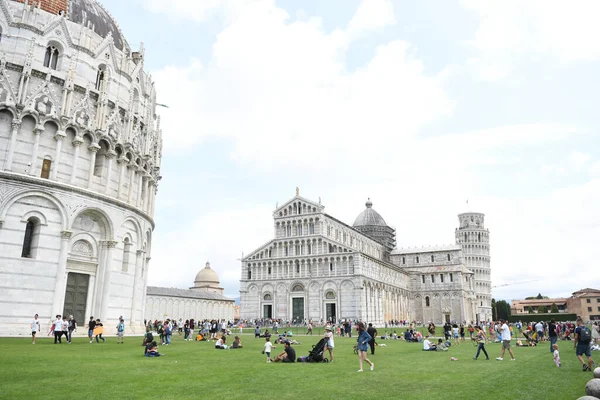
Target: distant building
(584,303)
(204,300)
(319,268)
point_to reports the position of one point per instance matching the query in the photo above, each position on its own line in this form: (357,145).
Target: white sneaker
(512,359)
(499,359)
(360,370)
(372,367)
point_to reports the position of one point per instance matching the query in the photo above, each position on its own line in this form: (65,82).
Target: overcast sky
(416,105)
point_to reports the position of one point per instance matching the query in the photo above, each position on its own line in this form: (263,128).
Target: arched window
(289,230)
(426,301)
(423,278)
(442,278)
(309,248)
(100,77)
(330,295)
(101,158)
(249,274)
(126,251)
(432,258)
(403,260)
(479,237)
(331,266)
(448,257)
(269,271)
(30,241)
(297,266)
(267,297)
(417,259)
(298,288)
(51,57)
(299,230)
(311,228)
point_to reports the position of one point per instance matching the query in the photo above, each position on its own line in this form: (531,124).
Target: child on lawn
(267,349)
(120,331)
(556,355)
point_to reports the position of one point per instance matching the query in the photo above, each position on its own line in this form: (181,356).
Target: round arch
(61,208)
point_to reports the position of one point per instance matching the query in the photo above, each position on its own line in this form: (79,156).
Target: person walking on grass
(506,337)
(481,339)
(91,327)
(372,331)
(65,328)
(120,331)
(581,344)
(57,329)
(363,346)
(99,331)
(329,345)
(35,328)
(72,327)
(267,348)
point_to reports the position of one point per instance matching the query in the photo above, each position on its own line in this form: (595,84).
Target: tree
(554,308)
(502,309)
(539,296)
(530,310)
(494,310)
(542,310)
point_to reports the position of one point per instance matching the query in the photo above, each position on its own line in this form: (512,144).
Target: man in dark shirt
(552,334)
(373,332)
(288,355)
(582,346)
(91,326)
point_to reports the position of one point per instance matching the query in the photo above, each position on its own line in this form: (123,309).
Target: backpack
(585,335)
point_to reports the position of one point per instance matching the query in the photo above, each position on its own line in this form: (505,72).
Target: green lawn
(197,370)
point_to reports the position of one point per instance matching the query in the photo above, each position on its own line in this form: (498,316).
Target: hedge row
(542,317)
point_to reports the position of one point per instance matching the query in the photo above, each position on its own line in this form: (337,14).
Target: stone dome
(369,217)
(88,13)
(206,276)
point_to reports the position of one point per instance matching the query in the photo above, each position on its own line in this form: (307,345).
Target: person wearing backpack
(583,339)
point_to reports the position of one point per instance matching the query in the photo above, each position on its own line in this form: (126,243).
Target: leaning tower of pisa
(474,239)
(80,153)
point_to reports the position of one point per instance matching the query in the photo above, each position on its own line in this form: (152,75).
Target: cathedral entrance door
(267,311)
(76,296)
(330,312)
(298,308)
(447,318)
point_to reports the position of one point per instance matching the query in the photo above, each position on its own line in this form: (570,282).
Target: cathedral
(80,155)
(320,268)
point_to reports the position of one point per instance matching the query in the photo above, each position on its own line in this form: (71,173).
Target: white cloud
(273,84)
(371,15)
(511,33)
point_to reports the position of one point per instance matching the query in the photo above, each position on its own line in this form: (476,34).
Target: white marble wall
(162,307)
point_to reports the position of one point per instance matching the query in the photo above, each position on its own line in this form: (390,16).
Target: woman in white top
(329,345)
(221,343)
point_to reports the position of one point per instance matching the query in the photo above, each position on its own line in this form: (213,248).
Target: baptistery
(80,152)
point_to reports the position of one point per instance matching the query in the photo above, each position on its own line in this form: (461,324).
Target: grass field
(197,370)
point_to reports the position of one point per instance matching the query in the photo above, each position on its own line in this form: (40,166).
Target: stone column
(122,161)
(132,167)
(110,155)
(60,280)
(109,245)
(144,276)
(13,143)
(59,136)
(136,279)
(38,130)
(94,149)
(138,202)
(144,203)
(77,143)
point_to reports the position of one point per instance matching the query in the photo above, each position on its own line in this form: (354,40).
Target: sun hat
(328,328)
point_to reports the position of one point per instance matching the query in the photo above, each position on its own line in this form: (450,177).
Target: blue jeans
(553,340)
(481,347)
(168,338)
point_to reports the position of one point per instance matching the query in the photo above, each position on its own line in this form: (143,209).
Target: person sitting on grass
(237,343)
(152,350)
(441,346)
(395,336)
(427,345)
(221,343)
(257,332)
(288,355)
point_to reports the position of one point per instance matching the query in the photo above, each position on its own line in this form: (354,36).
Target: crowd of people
(585,338)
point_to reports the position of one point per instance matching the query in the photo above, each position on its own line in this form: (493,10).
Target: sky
(419,106)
